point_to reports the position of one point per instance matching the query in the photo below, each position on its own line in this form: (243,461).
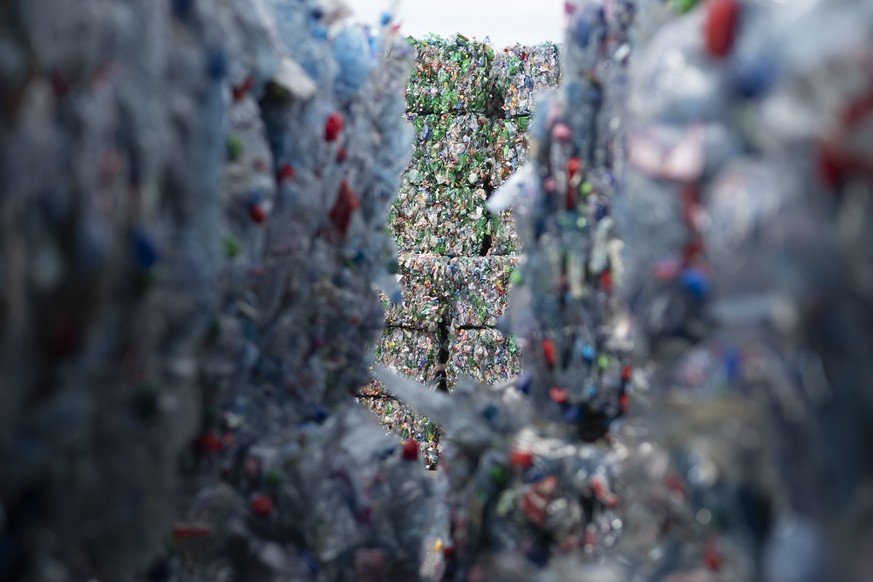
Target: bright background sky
(504,21)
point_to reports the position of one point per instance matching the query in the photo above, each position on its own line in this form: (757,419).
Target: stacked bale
(193,220)
(470,105)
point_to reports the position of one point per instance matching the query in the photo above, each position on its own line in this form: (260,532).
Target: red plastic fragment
(242,90)
(558,394)
(549,351)
(183,531)
(258,213)
(858,110)
(341,213)
(722,20)
(334,126)
(693,251)
(574,166)
(410,450)
(623,403)
(712,556)
(210,442)
(534,507)
(830,165)
(606,281)
(666,270)
(523,459)
(600,491)
(262,505)
(562,133)
(690,204)
(286,172)
(674,484)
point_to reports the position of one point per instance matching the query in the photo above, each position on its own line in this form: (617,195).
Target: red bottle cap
(209,442)
(257,213)
(574,166)
(333,127)
(286,172)
(523,459)
(558,394)
(242,90)
(262,505)
(722,21)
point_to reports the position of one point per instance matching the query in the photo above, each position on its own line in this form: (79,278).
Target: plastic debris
(188,291)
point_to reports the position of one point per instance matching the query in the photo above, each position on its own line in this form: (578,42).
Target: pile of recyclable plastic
(194,216)
(529,471)
(452,75)
(694,399)
(521,72)
(470,106)
(744,215)
(194,201)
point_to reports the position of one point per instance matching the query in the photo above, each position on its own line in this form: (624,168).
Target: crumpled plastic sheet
(482,355)
(522,71)
(477,288)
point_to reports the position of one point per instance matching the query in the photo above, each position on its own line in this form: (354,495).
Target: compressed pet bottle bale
(196,275)
(442,220)
(301,329)
(522,71)
(112,151)
(453,74)
(504,238)
(424,282)
(415,355)
(680,136)
(477,289)
(515,489)
(482,355)
(815,251)
(510,148)
(412,353)
(759,283)
(451,150)
(405,423)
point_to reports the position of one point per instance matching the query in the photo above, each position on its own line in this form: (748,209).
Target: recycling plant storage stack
(470,105)
(193,208)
